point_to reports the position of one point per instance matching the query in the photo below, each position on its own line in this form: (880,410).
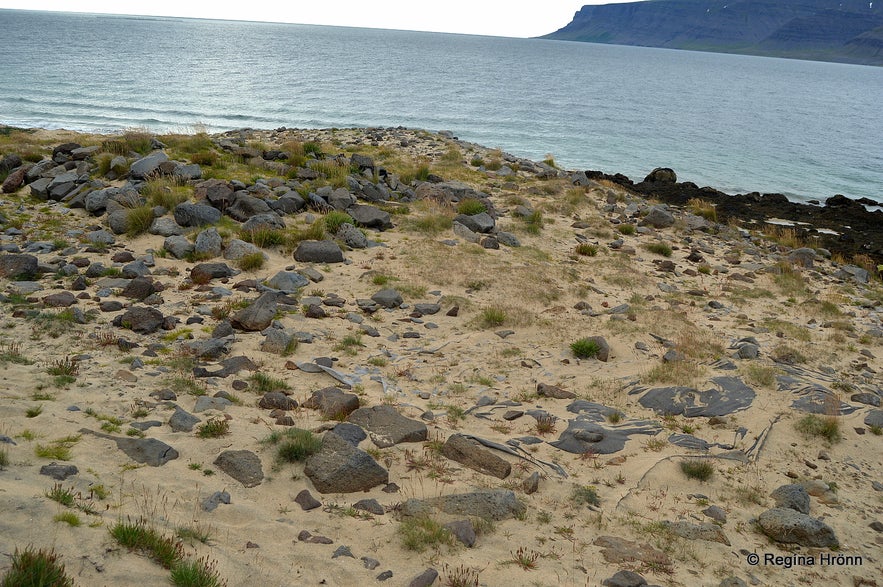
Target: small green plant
(533,222)
(4,458)
(585,348)
(814,426)
(138,220)
(349,344)
(875,430)
(66,367)
(586,249)
(471,207)
(545,424)
(62,495)
(263,383)
(418,533)
(702,208)
(585,495)
(252,261)
(524,558)
(659,248)
(145,539)
(700,469)
(335,219)
(196,573)
(69,518)
(294,445)
(59,450)
(34,411)
(460,576)
(195,533)
(492,317)
(264,237)
(214,428)
(36,568)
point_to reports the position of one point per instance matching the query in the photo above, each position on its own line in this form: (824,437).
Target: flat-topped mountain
(849,31)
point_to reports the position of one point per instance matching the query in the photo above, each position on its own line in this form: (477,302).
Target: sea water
(737,123)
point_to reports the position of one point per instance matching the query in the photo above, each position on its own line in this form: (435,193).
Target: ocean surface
(738,123)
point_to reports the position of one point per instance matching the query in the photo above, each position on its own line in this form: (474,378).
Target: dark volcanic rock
(58,472)
(149,451)
(318,252)
(792,497)
(141,320)
(258,315)
(386,427)
(18,265)
(242,465)
(790,526)
(473,455)
(490,504)
(333,403)
(196,214)
(339,467)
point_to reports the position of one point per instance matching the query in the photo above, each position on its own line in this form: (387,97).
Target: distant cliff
(849,31)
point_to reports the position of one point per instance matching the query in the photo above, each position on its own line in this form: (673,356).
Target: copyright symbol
(753,559)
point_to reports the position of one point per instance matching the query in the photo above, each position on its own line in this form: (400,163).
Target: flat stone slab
(386,427)
(586,435)
(729,395)
(473,455)
(489,504)
(149,451)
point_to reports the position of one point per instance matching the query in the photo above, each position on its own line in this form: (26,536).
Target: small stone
(343,551)
(370,563)
(306,501)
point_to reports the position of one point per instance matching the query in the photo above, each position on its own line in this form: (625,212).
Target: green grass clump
(659,248)
(585,495)
(11,353)
(471,207)
(140,537)
(62,495)
(165,192)
(814,426)
(294,445)
(533,222)
(196,573)
(335,219)
(350,344)
(36,568)
(69,518)
(214,428)
(312,232)
(421,532)
(252,261)
(57,450)
(492,316)
(701,469)
(586,249)
(33,412)
(138,220)
(432,224)
(585,348)
(4,458)
(264,237)
(263,383)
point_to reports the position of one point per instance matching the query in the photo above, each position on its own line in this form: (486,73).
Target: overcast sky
(493,17)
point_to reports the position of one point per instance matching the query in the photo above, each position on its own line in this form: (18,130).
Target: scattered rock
(306,501)
(242,465)
(386,427)
(59,472)
(790,526)
(470,453)
(318,252)
(339,467)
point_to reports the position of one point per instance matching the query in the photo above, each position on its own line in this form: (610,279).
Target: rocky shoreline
(347,356)
(840,224)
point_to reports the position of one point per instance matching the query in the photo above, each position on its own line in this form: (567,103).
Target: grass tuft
(701,469)
(814,426)
(422,532)
(36,568)
(585,348)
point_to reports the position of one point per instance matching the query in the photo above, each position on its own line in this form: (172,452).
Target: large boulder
(287,281)
(208,243)
(242,465)
(196,214)
(793,497)
(178,246)
(658,217)
(386,427)
(245,206)
(257,315)
(662,175)
(318,252)
(205,272)
(370,216)
(333,403)
(148,165)
(473,455)
(18,265)
(141,319)
(792,527)
(340,467)
(216,192)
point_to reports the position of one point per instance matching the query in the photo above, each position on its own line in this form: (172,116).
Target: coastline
(507,372)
